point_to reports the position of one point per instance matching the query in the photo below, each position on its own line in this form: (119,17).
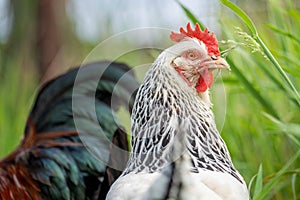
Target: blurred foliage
(262,124)
(19,70)
(17,86)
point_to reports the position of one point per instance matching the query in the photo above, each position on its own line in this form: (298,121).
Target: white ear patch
(179,61)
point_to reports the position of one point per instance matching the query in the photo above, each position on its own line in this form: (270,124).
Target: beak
(219,63)
(212,64)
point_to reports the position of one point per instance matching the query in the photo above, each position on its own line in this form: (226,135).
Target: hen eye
(191,55)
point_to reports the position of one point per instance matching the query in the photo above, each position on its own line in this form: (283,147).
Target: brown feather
(16,182)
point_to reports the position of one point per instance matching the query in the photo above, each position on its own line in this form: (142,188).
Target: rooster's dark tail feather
(72,112)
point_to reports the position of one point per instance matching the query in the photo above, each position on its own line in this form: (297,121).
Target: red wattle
(205,81)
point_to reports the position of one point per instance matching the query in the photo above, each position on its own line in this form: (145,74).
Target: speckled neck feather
(162,98)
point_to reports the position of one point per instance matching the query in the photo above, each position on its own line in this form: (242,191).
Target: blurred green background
(257,113)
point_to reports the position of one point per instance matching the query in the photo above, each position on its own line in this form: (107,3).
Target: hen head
(195,55)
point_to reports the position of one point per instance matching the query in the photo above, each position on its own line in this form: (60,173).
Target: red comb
(209,39)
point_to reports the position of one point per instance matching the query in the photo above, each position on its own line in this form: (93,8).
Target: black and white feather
(205,170)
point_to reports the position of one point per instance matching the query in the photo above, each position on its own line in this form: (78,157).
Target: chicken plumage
(175,91)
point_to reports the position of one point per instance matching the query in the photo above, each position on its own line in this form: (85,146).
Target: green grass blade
(291,89)
(288,128)
(284,33)
(294,177)
(246,19)
(251,182)
(269,108)
(259,182)
(291,132)
(280,70)
(190,15)
(271,184)
(276,81)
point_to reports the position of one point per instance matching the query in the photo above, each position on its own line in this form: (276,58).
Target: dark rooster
(52,162)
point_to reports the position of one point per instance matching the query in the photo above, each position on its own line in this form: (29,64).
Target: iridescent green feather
(71,171)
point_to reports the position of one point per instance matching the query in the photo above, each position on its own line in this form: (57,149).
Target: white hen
(176,89)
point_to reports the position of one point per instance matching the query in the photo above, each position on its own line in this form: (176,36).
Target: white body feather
(205,185)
